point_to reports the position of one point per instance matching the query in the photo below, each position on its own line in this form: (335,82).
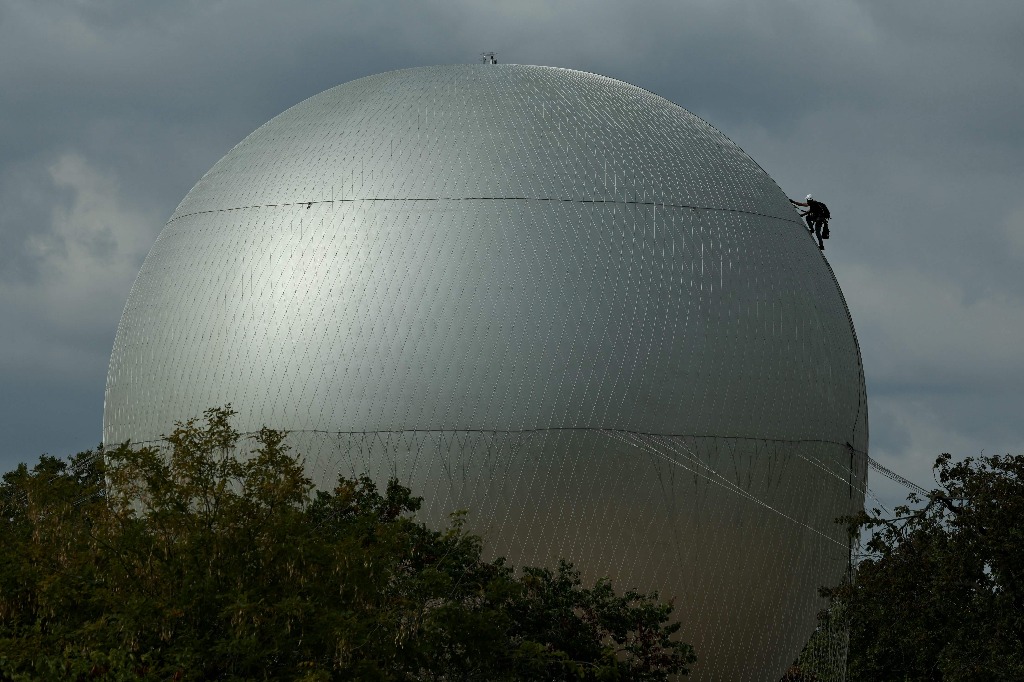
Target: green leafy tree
(823,658)
(190,562)
(940,594)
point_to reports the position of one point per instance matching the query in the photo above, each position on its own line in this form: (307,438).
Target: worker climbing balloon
(816,216)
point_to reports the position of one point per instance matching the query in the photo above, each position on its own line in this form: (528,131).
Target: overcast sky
(905,117)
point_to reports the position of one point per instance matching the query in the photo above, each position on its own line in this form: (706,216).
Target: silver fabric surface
(548,296)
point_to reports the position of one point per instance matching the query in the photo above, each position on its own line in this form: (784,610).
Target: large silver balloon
(550,297)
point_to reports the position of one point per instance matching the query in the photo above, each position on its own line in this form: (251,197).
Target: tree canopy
(192,562)
(940,593)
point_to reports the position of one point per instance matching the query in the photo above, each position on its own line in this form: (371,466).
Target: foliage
(191,562)
(823,658)
(940,594)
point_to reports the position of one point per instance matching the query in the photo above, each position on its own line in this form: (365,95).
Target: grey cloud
(887,428)
(27,195)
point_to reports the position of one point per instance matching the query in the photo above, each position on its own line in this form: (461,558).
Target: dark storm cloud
(903,117)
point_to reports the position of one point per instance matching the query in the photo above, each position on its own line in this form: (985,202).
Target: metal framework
(550,297)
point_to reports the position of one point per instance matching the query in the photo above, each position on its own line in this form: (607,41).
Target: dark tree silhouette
(940,594)
(190,562)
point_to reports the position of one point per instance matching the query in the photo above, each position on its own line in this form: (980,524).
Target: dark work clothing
(816,216)
(817,220)
(816,227)
(817,210)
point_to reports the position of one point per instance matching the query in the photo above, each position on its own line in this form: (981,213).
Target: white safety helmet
(809,197)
